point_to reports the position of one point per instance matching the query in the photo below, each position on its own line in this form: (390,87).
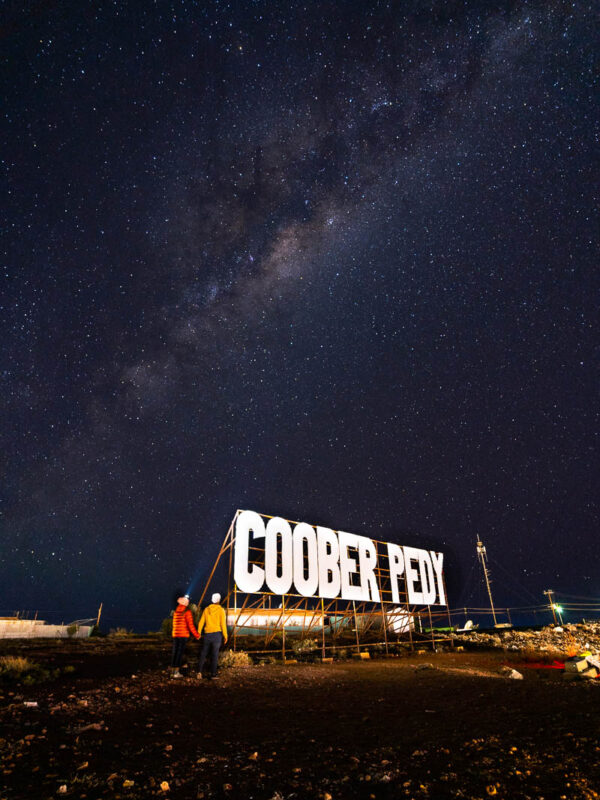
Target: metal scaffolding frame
(335,618)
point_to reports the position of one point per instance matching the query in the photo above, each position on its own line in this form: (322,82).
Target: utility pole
(481,552)
(554,607)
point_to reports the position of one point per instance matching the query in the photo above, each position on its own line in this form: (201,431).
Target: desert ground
(109,721)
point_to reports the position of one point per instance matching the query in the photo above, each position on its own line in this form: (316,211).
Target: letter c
(248,580)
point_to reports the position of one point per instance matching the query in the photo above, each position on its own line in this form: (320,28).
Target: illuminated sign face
(320,562)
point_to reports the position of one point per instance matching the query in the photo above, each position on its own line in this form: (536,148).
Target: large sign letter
(437,559)
(427,580)
(304,535)
(396,559)
(423,576)
(367,559)
(247,579)
(412,576)
(329,554)
(276,527)
(349,566)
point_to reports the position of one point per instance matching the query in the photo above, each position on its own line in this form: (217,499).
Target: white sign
(320,562)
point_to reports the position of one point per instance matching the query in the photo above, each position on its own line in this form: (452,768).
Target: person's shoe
(214,677)
(199,676)
(177,674)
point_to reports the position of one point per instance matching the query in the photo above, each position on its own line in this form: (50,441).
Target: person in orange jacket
(183,625)
(214,624)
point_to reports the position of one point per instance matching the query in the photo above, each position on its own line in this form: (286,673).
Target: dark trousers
(179,643)
(211,644)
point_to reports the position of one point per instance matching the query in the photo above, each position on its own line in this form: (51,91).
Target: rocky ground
(112,724)
(567,639)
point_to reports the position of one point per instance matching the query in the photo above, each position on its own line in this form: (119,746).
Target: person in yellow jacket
(214,625)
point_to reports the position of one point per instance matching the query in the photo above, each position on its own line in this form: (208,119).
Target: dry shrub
(269,660)
(21,670)
(15,665)
(301,646)
(234,658)
(120,632)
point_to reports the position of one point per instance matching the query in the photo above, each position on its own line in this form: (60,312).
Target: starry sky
(335,261)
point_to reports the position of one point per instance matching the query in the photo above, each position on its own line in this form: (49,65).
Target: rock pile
(582,667)
(570,639)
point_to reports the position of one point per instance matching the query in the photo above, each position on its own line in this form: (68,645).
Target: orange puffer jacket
(183,623)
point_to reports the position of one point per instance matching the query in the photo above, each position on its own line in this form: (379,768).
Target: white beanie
(216,598)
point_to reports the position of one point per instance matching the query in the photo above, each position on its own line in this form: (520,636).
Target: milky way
(331,261)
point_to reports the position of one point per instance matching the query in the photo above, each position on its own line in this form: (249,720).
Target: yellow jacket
(213,620)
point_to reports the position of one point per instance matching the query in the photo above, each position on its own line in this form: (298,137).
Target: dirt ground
(436,725)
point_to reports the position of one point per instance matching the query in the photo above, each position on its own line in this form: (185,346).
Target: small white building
(16,628)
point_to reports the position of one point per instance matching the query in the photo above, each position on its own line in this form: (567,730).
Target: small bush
(305,646)
(15,664)
(234,658)
(120,632)
(268,660)
(21,670)
(72,630)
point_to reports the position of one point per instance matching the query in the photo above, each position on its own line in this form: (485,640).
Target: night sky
(335,261)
